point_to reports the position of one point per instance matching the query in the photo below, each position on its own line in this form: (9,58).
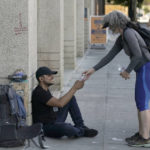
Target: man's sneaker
(132,138)
(140,142)
(90,132)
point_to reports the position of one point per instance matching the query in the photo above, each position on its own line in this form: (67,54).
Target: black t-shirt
(40,111)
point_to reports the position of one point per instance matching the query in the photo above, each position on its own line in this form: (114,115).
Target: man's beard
(49,84)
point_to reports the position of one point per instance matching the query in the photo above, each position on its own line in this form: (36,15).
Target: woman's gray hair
(116,19)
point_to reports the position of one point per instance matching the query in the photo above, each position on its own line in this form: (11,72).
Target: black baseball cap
(105,25)
(44,71)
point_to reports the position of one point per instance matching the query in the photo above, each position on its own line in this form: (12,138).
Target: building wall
(51,36)
(18,46)
(14,42)
(32,35)
(80,27)
(70,34)
(90,5)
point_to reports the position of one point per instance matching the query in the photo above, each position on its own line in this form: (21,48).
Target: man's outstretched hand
(78,84)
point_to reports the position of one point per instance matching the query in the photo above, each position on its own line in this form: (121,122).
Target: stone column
(80,27)
(51,36)
(86,23)
(18,48)
(86,30)
(70,34)
(90,6)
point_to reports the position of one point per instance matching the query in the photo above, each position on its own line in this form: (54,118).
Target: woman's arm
(112,53)
(133,44)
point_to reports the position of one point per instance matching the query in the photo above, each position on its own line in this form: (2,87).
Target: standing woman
(134,47)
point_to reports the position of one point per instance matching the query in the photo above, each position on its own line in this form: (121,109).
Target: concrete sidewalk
(107,104)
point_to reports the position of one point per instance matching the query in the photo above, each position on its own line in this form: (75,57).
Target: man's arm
(61,102)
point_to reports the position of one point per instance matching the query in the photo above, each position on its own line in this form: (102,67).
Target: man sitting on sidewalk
(54,122)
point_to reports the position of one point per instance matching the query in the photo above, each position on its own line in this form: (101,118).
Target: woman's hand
(125,75)
(88,73)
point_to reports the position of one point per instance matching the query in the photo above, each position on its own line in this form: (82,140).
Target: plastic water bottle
(83,77)
(120,68)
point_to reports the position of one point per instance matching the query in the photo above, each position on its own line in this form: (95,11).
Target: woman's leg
(142,97)
(144,119)
(139,119)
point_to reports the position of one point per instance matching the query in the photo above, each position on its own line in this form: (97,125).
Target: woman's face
(117,31)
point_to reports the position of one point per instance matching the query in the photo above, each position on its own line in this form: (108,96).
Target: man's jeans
(60,128)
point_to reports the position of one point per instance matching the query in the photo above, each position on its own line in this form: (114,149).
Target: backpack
(13,128)
(143,31)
